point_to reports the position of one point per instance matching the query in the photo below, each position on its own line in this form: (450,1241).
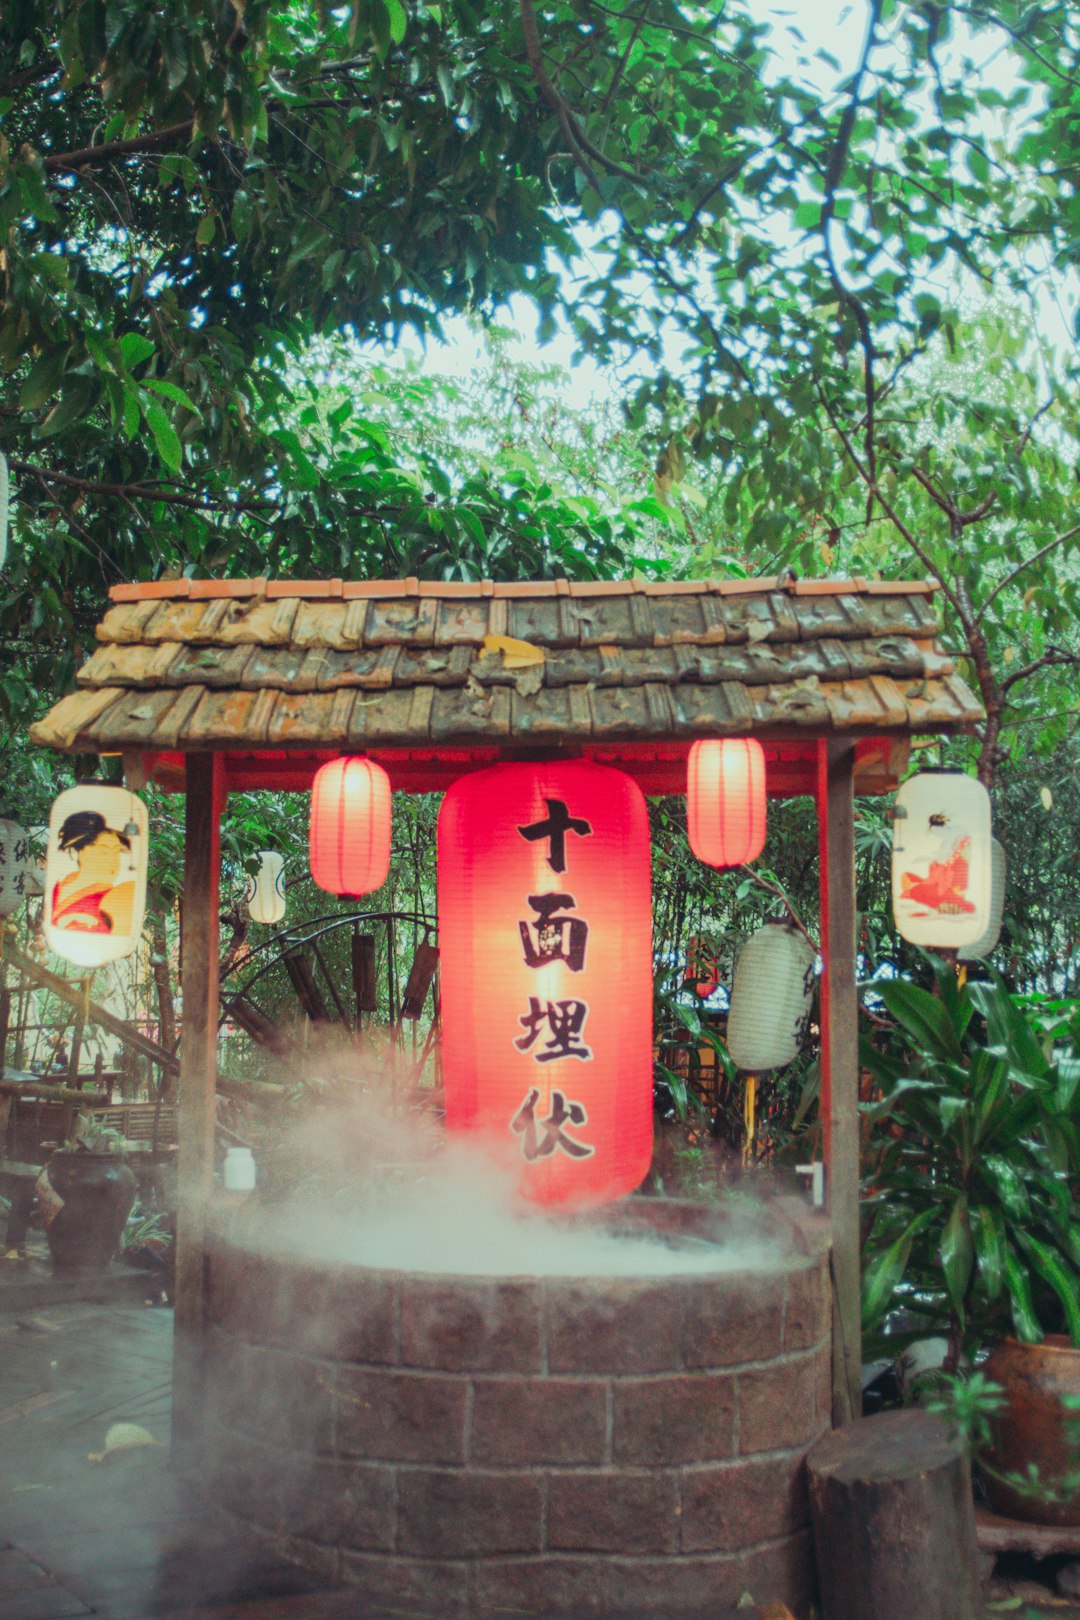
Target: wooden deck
(123,1539)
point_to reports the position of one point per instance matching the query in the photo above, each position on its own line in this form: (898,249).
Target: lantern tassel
(749,1120)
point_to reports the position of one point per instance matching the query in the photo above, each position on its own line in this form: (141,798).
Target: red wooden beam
(658,768)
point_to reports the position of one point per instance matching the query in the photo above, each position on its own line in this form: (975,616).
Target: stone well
(580,1446)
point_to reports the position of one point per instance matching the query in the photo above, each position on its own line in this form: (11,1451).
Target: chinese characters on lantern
(14,865)
(546,972)
(553,1028)
(534,1147)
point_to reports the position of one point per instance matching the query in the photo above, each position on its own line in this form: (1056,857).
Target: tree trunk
(894,1521)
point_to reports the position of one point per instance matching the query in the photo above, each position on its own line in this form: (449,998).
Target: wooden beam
(72,995)
(657,767)
(840,1063)
(198,1083)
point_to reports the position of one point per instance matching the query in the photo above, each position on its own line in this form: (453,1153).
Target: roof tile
(827,587)
(601,587)
(462,622)
(370,589)
(252,664)
(901,587)
(238,588)
(410,622)
(150,590)
(315,588)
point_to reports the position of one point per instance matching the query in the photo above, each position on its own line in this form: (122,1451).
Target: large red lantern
(546,963)
(725,800)
(349,837)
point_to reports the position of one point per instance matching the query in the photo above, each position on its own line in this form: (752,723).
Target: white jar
(239,1169)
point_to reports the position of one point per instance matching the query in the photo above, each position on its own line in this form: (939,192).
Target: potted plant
(972,1220)
(86,1193)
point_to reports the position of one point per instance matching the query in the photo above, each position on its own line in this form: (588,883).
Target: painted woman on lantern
(92,900)
(942,888)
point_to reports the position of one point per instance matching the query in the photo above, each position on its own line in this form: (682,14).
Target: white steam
(376,1184)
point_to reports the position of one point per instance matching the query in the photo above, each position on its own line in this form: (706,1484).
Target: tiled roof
(333,664)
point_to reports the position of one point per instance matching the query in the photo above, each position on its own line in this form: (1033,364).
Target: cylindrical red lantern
(725,800)
(546,969)
(349,835)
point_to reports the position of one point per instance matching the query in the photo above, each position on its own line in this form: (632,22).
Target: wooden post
(840,1063)
(205,800)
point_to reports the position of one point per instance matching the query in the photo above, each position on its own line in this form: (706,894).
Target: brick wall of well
(587,1447)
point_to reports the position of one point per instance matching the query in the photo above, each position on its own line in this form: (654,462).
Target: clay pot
(1031,1428)
(85,1199)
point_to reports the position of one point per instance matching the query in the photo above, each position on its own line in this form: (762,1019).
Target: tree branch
(149,492)
(958,520)
(31,75)
(1029,430)
(1059,539)
(1054,656)
(894,517)
(581,147)
(833,174)
(152,141)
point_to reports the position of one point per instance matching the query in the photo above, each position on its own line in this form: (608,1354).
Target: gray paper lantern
(15,864)
(770,998)
(998,873)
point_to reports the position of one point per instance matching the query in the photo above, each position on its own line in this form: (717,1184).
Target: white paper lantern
(15,864)
(998,872)
(95,874)
(941,886)
(770,998)
(266,891)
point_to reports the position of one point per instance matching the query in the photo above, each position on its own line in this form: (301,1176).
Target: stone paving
(122,1539)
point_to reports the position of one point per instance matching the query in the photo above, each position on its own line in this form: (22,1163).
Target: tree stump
(894,1521)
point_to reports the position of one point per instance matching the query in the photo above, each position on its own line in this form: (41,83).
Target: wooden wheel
(332,983)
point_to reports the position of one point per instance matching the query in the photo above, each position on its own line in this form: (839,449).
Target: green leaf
(1068,1079)
(204,233)
(43,378)
(990,1084)
(5,507)
(130,424)
(398,20)
(951,1108)
(923,1016)
(1061,1278)
(988,1234)
(241,215)
(1007,1027)
(170,390)
(307,474)
(1025,1321)
(76,398)
(978,164)
(885,1271)
(957,1253)
(166,442)
(1008,1184)
(135,348)
(893,1103)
